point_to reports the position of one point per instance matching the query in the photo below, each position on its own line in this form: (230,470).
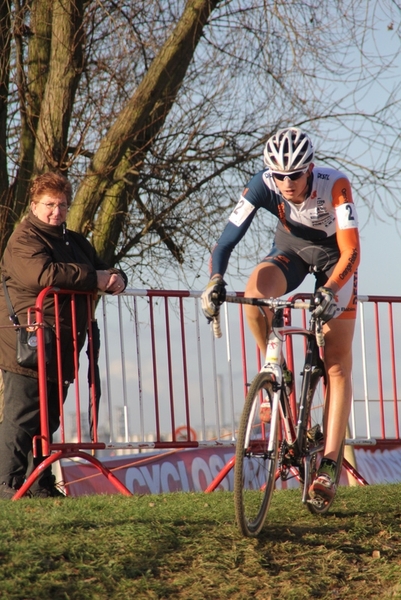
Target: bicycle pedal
(318,502)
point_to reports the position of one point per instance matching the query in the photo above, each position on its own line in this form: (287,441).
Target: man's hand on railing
(112,283)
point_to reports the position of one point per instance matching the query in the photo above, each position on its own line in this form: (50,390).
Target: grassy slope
(187,547)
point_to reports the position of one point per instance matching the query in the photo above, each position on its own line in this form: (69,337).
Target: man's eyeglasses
(51,206)
(293,176)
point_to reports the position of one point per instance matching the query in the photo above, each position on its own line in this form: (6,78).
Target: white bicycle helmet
(288,150)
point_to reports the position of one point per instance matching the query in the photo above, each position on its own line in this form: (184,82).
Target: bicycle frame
(293,426)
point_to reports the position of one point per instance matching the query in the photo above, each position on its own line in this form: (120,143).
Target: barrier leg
(355,474)
(71,454)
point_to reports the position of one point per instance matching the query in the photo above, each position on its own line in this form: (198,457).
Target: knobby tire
(255,467)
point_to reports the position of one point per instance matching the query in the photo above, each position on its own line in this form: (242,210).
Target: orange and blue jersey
(327,217)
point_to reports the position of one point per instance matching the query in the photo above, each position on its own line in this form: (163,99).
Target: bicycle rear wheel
(255,460)
(315,436)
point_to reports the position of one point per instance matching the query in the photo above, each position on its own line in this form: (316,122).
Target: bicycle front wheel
(255,460)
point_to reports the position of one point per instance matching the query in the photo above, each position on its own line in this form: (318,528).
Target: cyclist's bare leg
(266,281)
(338,361)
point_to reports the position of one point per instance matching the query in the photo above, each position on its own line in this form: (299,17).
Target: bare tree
(158,111)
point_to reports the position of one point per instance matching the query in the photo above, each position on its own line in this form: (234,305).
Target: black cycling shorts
(297,257)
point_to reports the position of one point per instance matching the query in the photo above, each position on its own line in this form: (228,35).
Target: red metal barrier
(56,451)
(179,386)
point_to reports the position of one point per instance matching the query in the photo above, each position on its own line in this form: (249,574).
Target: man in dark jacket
(42,252)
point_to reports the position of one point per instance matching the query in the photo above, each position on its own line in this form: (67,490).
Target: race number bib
(241,212)
(346,216)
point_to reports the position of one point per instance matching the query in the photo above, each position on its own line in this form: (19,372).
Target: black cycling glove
(325,303)
(213,297)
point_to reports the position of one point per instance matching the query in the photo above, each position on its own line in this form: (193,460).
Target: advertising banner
(194,470)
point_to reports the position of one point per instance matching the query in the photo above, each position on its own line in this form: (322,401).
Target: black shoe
(6,492)
(47,489)
(47,493)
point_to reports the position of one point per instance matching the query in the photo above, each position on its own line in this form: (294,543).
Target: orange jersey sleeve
(346,232)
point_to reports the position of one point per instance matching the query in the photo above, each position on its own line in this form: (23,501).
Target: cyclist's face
(294,191)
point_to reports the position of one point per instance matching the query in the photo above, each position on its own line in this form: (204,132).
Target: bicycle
(288,445)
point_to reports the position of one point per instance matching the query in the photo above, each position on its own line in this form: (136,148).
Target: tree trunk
(32,93)
(65,71)
(5,41)
(138,122)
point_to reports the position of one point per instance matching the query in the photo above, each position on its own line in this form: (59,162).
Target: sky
(380,267)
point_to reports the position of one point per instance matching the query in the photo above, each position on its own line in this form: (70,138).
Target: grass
(186,547)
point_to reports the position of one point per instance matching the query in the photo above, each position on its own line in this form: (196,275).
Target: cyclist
(317,232)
